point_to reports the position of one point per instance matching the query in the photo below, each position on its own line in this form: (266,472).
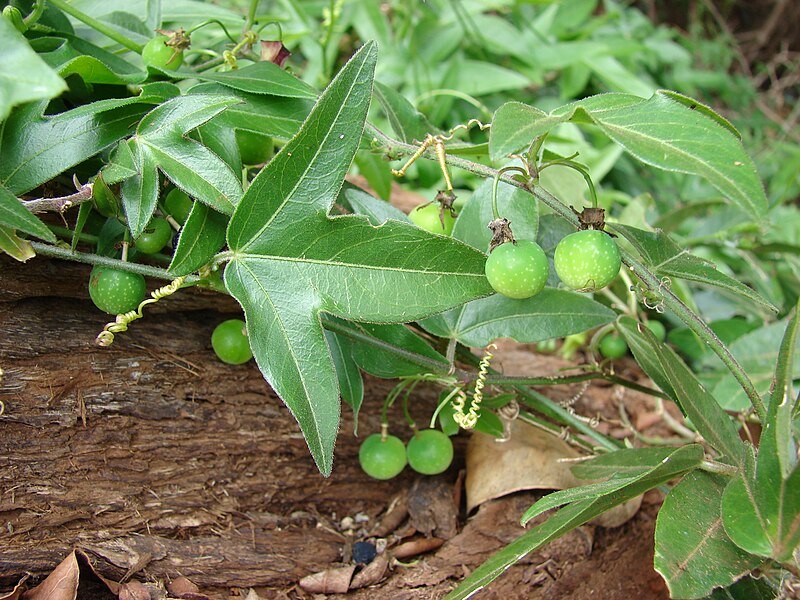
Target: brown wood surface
(151,453)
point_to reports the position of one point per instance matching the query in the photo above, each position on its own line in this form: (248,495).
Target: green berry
(382,458)
(177,204)
(154,237)
(587,261)
(426,216)
(115,291)
(517,270)
(156,53)
(657,328)
(430,452)
(613,346)
(230,342)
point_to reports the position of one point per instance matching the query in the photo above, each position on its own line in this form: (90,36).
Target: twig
(61,203)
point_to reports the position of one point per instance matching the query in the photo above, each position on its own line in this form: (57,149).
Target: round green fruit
(430,452)
(177,204)
(382,458)
(115,291)
(230,342)
(254,148)
(587,261)
(156,53)
(155,236)
(517,270)
(426,216)
(657,328)
(613,346)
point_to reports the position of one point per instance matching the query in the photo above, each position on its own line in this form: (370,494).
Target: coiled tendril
(106,337)
(469,419)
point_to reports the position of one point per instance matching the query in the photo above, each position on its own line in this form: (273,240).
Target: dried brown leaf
(530,460)
(372,573)
(417,546)
(18,590)
(330,581)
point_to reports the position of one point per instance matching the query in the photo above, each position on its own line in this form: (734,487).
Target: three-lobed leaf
(291,261)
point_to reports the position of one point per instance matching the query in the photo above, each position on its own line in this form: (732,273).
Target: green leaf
(351,384)
(757,352)
(362,203)
(292,261)
(762,506)
(34,149)
(641,348)
(70,55)
(15,246)
(680,460)
(408,123)
(262,77)
(270,115)
(187,163)
(24,76)
(777,450)
(201,238)
(663,131)
(695,555)
(122,164)
(747,588)
(377,173)
(682,385)
(388,364)
(666,259)
(512,203)
(13,215)
(743,518)
(572,516)
(550,314)
(627,462)
(140,192)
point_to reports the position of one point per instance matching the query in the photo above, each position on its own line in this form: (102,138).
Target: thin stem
(496,183)
(61,203)
(567,379)
(94,259)
(68,234)
(97,25)
(35,14)
(552,429)
(251,15)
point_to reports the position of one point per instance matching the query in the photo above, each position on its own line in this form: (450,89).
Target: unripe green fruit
(657,328)
(154,237)
(177,204)
(587,261)
(429,452)
(156,53)
(427,217)
(115,291)
(613,346)
(517,270)
(230,342)
(382,458)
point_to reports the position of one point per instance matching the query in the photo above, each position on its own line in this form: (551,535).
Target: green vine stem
(94,259)
(580,378)
(652,282)
(97,25)
(35,14)
(251,15)
(567,162)
(496,183)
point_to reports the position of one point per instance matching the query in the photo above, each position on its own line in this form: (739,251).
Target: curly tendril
(469,419)
(106,337)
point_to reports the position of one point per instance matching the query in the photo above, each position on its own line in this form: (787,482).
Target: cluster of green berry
(585,261)
(429,452)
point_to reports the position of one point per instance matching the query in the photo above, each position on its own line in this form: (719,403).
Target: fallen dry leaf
(418,546)
(372,573)
(73,573)
(329,581)
(529,460)
(182,585)
(16,593)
